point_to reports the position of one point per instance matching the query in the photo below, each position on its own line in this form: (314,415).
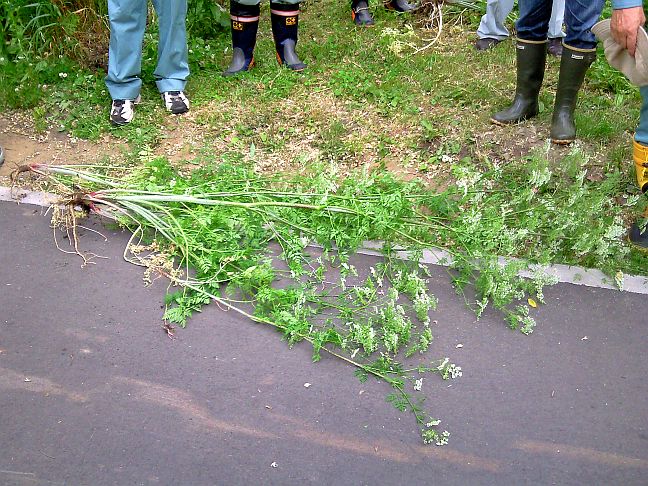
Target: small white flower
(455,371)
(63,75)
(418,384)
(443,439)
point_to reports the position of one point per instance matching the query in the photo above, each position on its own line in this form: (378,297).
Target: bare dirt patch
(24,145)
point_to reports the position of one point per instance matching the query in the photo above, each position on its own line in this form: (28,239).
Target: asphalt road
(93,392)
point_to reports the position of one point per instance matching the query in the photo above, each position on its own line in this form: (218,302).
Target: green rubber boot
(531,58)
(573,66)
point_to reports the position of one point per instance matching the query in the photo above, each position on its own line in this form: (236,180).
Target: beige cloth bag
(635,68)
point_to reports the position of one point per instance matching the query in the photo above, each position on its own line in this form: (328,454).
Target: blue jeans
(127,23)
(580,16)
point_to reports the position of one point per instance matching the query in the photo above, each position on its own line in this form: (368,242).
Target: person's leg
(531,52)
(580,17)
(492,29)
(127,20)
(641,143)
(638,235)
(578,54)
(557,19)
(244,18)
(285,26)
(172,68)
(556,32)
(492,24)
(533,23)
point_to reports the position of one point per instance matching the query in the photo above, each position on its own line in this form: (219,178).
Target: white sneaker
(122,111)
(175,101)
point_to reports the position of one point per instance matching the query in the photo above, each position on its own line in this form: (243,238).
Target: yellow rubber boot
(640,155)
(638,235)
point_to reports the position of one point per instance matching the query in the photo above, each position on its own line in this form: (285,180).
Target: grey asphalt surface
(93,392)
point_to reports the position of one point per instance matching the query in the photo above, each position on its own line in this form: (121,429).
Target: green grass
(366,100)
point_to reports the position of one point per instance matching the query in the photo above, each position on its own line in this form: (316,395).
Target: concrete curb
(434,256)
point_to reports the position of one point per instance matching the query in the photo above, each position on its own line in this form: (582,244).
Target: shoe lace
(174,96)
(118,106)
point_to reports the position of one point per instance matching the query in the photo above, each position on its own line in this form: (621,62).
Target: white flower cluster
(432,436)
(449,370)
(455,371)
(443,438)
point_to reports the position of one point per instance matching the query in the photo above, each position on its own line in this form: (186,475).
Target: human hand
(624,26)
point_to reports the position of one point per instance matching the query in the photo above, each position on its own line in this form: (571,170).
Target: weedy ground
(379,98)
(387,123)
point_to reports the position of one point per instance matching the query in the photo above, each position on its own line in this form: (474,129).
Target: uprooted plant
(281,252)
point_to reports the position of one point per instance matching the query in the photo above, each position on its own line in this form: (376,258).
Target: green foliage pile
(280,250)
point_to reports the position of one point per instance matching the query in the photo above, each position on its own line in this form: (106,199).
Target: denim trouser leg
(172,68)
(127,23)
(580,16)
(492,23)
(533,24)
(557,19)
(641,135)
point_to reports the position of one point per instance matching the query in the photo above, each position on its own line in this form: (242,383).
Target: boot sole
(562,142)
(513,122)
(297,70)
(499,123)
(228,74)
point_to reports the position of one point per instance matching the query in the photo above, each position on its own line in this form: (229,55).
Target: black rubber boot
(531,58)
(638,237)
(573,66)
(245,24)
(360,13)
(400,6)
(285,25)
